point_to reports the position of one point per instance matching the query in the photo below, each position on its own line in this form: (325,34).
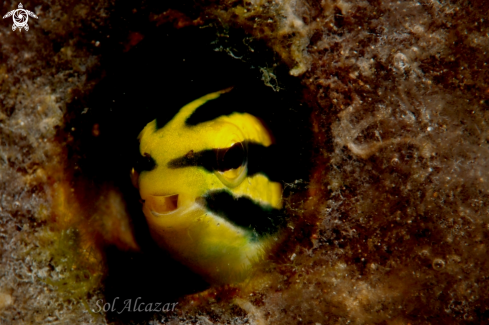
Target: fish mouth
(160,205)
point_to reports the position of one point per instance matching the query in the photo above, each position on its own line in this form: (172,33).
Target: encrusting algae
(80,228)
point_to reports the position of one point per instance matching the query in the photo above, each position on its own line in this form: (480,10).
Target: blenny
(208,197)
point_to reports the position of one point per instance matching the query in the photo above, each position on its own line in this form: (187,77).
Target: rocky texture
(38,69)
(395,229)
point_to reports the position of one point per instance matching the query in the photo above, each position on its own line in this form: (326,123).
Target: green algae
(76,279)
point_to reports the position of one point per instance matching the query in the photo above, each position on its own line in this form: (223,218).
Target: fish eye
(231,158)
(232,164)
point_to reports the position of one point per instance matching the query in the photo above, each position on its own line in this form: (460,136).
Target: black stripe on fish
(225,104)
(144,162)
(243,212)
(260,159)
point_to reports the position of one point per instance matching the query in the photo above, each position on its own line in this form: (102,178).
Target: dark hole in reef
(338,17)
(166,70)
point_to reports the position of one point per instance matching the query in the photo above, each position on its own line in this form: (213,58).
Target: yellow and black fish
(208,186)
